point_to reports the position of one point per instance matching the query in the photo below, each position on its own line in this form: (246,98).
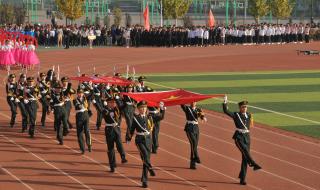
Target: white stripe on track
(15,177)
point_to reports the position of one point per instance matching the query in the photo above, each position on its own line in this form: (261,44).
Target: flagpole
(161,14)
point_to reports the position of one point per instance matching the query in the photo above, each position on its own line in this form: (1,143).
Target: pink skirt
(7,58)
(32,58)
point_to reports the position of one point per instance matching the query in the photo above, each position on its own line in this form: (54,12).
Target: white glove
(12,98)
(205,120)
(117,97)
(26,101)
(90,83)
(17,100)
(108,87)
(94,101)
(81,106)
(161,105)
(105,103)
(225,99)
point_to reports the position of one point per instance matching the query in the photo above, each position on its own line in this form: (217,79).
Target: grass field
(294,93)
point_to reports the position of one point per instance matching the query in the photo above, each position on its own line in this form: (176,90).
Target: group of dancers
(17,51)
(111,105)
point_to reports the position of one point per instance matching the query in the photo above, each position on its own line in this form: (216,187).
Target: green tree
(71,9)
(117,12)
(6,13)
(282,9)
(258,9)
(175,9)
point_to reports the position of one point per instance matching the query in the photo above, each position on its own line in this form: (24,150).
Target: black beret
(142,78)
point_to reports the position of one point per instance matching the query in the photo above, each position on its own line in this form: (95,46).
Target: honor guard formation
(60,97)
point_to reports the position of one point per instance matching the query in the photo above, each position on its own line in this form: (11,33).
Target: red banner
(170,98)
(107,80)
(146,18)
(211,20)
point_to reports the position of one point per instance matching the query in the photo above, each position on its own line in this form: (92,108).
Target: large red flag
(146,18)
(171,97)
(211,20)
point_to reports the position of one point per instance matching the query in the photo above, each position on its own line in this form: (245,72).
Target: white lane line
(293,138)
(237,161)
(49,164)
(92,160)
(173,175)
(257,139)
(15,177)
(252,150)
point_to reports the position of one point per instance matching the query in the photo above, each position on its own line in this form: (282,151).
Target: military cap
(243,103)
(23,76)
(12,76)
(117,74)
(149,89)
(30,79)
(130,86)
(57,86)
(79,90)
(42,75)
(130,78)
(142,104)
(65,79)
(142,78)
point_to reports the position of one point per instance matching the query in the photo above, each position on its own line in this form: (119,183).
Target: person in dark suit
(243,120)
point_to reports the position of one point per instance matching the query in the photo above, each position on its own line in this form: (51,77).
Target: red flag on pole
(146,18)
(211,19)
(171,97)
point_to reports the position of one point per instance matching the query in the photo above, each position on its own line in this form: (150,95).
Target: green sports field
(286,100)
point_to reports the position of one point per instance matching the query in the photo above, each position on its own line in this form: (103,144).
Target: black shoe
(198,160)
(82,151)
(124,160)
(243,182)
(152,173)
(144,185)
(98,128)
(61,142)
(193,167)
(11,125)
(256,167)
(65,133)
(32,136)
(89,149)
(112,170)
(154,151)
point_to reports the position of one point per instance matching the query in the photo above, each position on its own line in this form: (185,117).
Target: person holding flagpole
(192,130)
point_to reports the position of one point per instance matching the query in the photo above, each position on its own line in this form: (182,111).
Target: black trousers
(128,115)
(24,115)
(143,144)
(113,136)
(192,132)
(45,107)
(68,107)
(32,108)
(242,141)
(155,136)
(60,117)
(97,105)
(82,123)
(13,109)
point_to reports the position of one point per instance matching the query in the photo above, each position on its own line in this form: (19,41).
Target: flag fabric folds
(171,97)
(107,80)
(146,18)
(211,21)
